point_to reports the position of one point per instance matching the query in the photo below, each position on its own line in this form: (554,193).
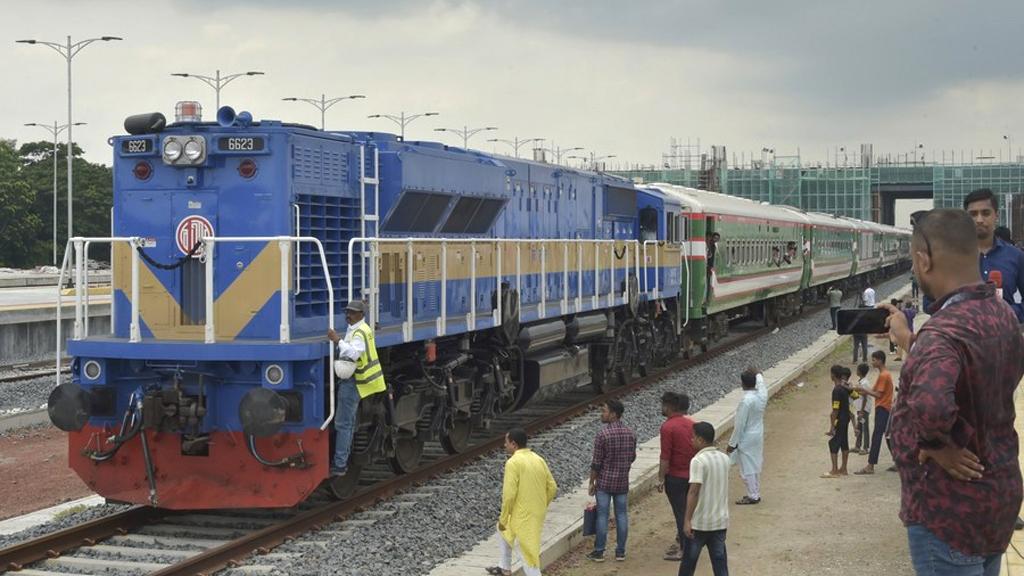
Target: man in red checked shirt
(614,453)
(952,425)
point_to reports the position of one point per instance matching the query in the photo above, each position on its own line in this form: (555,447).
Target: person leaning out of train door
(366,379)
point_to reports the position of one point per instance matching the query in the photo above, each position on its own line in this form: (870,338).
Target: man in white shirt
(707,504)
(868,298)
(746,446)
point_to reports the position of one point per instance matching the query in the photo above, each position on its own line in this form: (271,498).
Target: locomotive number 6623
(240,144)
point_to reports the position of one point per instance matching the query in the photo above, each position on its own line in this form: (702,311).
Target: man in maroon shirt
(676,452)
(952,425)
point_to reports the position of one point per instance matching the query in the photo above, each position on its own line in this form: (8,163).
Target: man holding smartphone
(952,425)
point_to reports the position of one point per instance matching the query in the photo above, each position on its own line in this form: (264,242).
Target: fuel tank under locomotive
(556,354)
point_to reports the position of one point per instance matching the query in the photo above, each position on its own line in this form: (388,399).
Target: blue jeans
(345,421)
(715,541)
(604,501)
(881,425)
(933,557)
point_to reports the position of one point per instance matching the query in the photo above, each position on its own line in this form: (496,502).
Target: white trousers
(505,563)
(753,483)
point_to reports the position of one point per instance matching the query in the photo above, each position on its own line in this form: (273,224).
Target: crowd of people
(949,425)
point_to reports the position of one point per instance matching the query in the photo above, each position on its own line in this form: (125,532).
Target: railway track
(29,371)
(143,540)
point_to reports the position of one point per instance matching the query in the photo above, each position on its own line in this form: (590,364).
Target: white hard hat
(344,368)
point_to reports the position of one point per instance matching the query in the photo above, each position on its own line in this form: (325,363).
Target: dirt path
(34,471)
(804,526)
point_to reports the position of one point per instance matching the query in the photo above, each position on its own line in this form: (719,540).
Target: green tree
(20,224)
(93,197)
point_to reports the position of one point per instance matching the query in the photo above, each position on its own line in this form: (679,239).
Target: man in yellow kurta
(528,490)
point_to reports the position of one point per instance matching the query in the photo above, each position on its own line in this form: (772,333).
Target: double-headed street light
(55,131)
(466,133)
(402,119)
(324,103)
(69,50)
(593,159)
(217,81)
(559,152)
(515,143)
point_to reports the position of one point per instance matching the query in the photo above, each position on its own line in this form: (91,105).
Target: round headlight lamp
(274,374)
(172,150)
(92,370)
(193,150)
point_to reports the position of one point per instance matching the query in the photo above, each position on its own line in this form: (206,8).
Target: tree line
(26,203)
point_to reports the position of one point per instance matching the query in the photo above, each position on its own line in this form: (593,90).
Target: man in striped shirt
(707,504)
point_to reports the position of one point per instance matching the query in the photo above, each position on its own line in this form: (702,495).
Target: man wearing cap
(367,379)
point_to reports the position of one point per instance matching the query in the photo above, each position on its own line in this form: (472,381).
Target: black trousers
(860,341)
(881,425)
(676,489)
(833,311)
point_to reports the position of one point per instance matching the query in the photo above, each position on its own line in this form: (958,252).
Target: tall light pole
(1009,145)
(402,119)
(594,159)
(515,143)
(69,51)
(559,152)
(217,81)
(466,133)
(55,131)
(324,103)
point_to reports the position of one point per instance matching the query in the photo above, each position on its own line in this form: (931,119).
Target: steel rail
(16,557)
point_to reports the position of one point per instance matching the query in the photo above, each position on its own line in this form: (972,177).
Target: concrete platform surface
(563,526)
(19,523)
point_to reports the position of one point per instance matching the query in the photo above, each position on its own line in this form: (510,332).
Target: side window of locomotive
(648,224)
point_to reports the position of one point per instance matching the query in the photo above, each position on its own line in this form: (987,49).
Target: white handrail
(284,244)
(372,244)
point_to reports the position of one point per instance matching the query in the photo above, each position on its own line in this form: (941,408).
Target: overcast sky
(614,77)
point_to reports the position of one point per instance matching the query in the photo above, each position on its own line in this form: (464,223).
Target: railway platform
(562,533)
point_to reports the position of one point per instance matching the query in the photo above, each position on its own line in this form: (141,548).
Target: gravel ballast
(465,505)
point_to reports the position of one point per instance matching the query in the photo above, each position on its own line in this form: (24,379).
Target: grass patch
(69,511)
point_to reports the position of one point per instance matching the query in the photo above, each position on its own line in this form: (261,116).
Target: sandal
(497,571)
(830,476)
(864,472)
(747,500)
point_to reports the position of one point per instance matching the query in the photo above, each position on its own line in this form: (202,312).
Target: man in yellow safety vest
(368,378)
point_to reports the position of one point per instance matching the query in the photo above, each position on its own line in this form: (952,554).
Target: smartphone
(862,321)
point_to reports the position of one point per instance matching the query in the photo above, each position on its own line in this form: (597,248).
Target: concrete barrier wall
(28,280)
(30,335)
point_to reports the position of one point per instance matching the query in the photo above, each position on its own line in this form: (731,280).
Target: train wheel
(341,487)
(456,440)
(408,453)
(625,357)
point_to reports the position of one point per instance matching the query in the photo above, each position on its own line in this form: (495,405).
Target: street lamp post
(55,131)
(402,119)
(466,133)
(1009,145)
(323,103)
(559,152)
(515,143)
(217,81)
(69,51)
(593,159)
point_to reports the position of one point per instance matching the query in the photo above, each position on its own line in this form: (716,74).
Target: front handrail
(284,245)
(631,253)
(80,246)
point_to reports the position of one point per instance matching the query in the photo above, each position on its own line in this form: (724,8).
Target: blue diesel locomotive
(490,282)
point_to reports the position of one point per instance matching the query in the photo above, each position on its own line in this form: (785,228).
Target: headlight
(172,149)
(92,370)
(194,150)
(274,374)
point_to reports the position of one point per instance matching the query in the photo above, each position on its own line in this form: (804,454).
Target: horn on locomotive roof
(226,117)
(145,123)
